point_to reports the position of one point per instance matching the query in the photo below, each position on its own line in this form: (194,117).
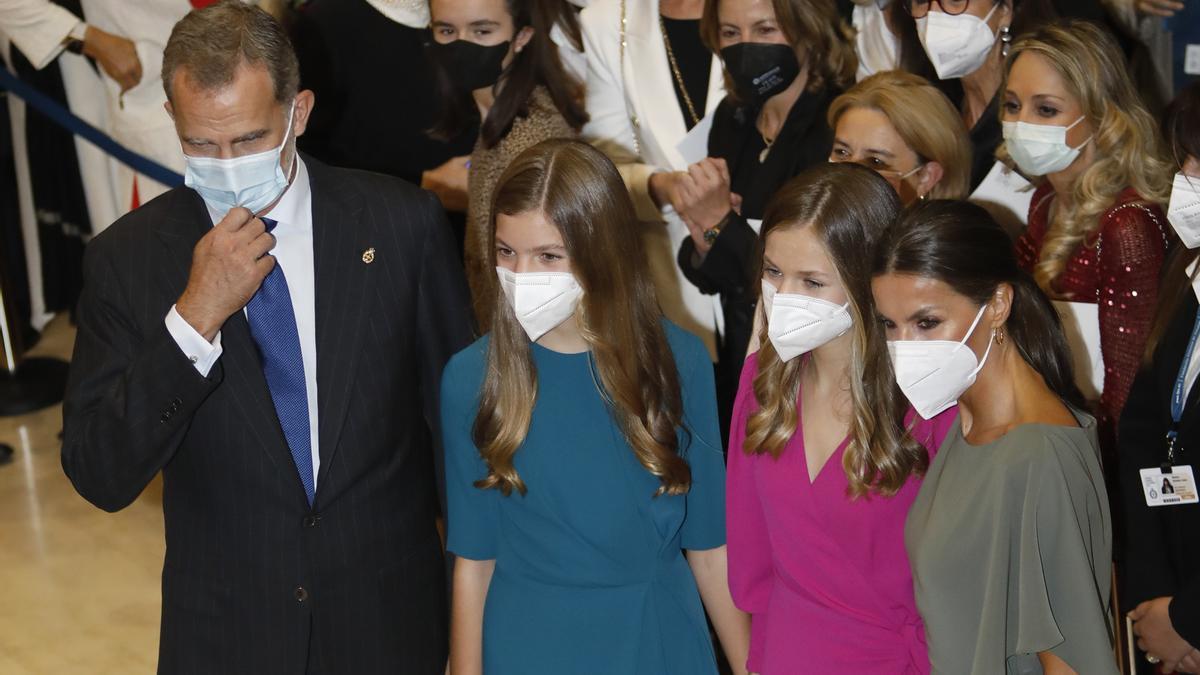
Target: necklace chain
(687,99)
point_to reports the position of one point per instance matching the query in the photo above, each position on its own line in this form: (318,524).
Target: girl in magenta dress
(825,457)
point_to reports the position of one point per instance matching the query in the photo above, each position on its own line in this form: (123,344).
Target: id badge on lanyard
(1171,484)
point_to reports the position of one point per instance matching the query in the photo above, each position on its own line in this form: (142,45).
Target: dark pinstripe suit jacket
(255,581)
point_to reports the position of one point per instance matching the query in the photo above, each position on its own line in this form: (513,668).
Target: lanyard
(1178,398)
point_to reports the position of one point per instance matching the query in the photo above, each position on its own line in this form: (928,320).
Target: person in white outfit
(639,122)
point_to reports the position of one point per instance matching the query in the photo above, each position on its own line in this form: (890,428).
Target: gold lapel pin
(369,256)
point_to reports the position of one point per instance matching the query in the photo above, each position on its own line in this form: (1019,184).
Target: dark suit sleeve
(1145,571)
(443,320)
(131,393)
(1185,612)
(727,267)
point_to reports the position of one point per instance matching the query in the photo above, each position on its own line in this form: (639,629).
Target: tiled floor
(79,588)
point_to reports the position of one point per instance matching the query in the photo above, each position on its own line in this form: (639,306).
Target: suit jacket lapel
(187,223)
(341,239)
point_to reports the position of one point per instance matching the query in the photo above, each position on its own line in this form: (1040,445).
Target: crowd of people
(772,336)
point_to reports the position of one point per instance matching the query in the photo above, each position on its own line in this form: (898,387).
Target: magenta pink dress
(825,578)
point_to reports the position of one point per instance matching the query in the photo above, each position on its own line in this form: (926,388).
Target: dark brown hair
(1181,128)
(538,64)
(815,26)
(211,43)
(848,207)
(960,244)
(579,190)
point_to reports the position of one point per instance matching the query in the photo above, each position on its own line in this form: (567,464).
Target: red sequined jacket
(1118,267)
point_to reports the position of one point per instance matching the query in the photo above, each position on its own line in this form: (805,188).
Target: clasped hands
(1158,638)
(701,196)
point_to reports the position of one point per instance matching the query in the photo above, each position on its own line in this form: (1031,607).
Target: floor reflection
(81,587)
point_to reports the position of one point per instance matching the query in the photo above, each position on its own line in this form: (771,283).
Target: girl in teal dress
(582,450)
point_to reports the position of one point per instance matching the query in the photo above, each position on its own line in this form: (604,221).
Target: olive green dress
(1011,546)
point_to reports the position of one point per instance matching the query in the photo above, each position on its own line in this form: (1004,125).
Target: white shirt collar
(293,207)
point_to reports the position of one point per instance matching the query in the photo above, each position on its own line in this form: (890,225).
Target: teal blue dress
(590,575)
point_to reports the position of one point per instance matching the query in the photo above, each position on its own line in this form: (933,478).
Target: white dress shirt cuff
(199,351)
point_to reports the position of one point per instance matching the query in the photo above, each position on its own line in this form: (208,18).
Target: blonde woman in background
(1096,233)
(906,130)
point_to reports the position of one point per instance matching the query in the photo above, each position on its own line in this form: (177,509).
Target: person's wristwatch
(75,39)
(711,234)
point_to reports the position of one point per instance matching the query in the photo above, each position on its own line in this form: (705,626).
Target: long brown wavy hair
(579,190)
(849,207)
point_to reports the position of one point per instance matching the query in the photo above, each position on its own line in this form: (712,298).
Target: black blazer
(256,581)
(1160,554)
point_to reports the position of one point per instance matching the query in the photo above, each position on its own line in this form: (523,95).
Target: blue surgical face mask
(253,182)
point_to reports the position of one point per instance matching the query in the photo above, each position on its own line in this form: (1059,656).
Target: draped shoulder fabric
(1011,548)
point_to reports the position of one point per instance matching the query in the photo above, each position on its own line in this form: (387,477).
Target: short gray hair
(211,43)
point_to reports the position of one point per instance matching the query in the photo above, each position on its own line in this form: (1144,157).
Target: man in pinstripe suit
(279,365)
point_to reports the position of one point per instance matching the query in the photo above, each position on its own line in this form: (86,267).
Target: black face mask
(759,71)
(468,65)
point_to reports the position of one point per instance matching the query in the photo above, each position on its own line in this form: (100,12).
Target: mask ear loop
(1072,126)
(290,175)
(986,352)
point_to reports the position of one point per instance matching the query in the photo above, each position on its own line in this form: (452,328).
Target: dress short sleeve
(471,513)
(704,524)
(1063,560)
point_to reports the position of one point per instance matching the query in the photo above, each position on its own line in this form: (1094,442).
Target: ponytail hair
(961,245)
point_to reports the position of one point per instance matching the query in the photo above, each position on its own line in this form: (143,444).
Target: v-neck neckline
(837,451)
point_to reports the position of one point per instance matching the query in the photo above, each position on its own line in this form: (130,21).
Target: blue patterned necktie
(273,326)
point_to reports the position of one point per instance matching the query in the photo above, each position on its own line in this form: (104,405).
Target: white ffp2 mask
(957,44)
(934,373)
(1183,211)
(797,324)
(541,300)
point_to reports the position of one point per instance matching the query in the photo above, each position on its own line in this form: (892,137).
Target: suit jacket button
(301,594)
(310,521)
(165,417)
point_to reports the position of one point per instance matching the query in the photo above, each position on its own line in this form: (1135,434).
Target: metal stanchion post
(26,384)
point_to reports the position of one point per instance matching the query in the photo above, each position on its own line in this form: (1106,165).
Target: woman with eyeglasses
(968,40)
(903,128)
(784,60)
(1097,232)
